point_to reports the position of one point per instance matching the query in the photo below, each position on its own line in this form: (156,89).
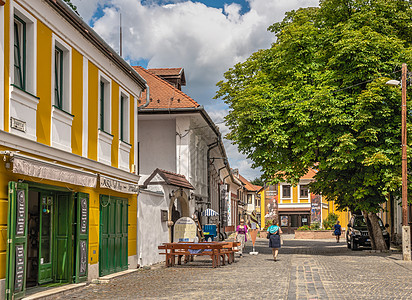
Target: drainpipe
(220,200)
(209,148)
(147,98)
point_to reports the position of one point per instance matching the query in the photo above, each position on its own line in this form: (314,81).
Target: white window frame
(299,195)
(107,102)
(31,47)
(126,118)
(281,192)
(67,73)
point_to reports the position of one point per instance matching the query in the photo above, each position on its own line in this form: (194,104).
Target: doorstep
(53,291)
(107,278)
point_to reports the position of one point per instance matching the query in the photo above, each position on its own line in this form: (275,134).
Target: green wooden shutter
(16,240)
(82,236)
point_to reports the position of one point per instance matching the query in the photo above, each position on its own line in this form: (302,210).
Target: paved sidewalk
(306,269)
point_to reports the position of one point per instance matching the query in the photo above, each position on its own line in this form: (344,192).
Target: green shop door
(16,240)
(113,235)
(45,274)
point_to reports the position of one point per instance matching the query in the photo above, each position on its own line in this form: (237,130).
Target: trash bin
(210,231)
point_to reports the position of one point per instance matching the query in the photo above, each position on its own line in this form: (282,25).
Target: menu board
(19,276)
(20,213)
(185,230)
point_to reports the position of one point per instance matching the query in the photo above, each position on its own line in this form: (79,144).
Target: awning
(209,213)
(118,185)
(39,168)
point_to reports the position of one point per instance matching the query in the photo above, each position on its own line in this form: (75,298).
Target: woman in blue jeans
(274,239)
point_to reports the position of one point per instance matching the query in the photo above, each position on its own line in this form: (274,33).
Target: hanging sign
(118,185)
(184,230)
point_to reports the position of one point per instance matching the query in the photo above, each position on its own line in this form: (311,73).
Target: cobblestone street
(305,270)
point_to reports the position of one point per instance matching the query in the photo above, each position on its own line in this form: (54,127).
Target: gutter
(147,98)
(68,14)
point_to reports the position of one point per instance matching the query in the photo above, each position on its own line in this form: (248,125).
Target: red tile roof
(170,178)
(163,94)
(166,71)
(248,185)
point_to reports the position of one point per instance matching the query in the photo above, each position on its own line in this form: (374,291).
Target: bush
(304,227)
(315,226)
(330,221)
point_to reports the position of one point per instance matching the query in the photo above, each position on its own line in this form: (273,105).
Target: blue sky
(206,38)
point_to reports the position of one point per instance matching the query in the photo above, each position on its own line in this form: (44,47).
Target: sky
(205,37)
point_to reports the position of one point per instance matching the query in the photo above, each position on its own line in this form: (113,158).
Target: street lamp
(406,234)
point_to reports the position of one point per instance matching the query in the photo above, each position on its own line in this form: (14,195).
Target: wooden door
(113,235)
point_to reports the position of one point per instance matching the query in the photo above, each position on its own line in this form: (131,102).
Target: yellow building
(68,148)
(296,206)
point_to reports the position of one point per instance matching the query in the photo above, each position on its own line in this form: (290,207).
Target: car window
(359,222)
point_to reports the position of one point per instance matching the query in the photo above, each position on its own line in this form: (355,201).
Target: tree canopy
(317,98)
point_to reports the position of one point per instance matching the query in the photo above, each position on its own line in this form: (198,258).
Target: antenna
(121,38)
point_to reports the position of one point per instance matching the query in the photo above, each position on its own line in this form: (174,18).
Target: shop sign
(118,185)
(83,215)
(83,258)
(21,213)
(18,283)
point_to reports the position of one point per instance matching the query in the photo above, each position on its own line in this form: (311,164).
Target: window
(19,53)
(104,104)
(58,77)
(304,191)
(286,192)
(124,118)
(249,199)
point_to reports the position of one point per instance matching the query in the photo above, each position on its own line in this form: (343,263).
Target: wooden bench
(228,250)
(173,250)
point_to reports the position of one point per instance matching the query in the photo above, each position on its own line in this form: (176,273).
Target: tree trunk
(375,231)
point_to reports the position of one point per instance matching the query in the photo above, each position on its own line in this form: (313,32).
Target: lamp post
(406,234)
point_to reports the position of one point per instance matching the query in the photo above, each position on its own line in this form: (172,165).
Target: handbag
(268,235)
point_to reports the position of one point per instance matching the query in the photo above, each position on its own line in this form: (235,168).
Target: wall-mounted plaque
(21,213)
(83,215)
(83,258)
(18,124)
(164,215)
(19,276)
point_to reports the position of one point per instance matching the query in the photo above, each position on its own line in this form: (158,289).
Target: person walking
(274,233)
(337,231)
(241,231)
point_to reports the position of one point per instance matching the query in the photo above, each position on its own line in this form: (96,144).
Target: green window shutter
(16,240)
(19,53)
(82,237)
(58,77)
(102,105)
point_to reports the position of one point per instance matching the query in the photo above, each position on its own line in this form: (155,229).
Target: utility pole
(406,234)
(121,36)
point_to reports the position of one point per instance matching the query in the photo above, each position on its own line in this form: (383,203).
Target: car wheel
(353,245)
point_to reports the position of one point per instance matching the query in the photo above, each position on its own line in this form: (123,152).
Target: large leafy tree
(317,98)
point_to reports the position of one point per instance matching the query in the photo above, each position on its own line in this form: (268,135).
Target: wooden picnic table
(216,250)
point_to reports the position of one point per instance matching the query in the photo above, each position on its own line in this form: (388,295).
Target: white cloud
(205,41)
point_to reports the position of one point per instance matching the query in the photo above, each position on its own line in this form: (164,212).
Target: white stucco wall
(151,231)
(157,143)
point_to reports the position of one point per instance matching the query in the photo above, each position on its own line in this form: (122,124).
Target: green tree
(71,5)
(317,98)
(258,181)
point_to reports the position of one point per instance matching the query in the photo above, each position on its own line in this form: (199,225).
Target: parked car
(357,234)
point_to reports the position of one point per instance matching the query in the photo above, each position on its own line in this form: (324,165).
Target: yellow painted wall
(44,83)
(132,133)
(93,111)
(77,102)
(132,219)
(6,64)
(295,194)
(262,209)
(115,124)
